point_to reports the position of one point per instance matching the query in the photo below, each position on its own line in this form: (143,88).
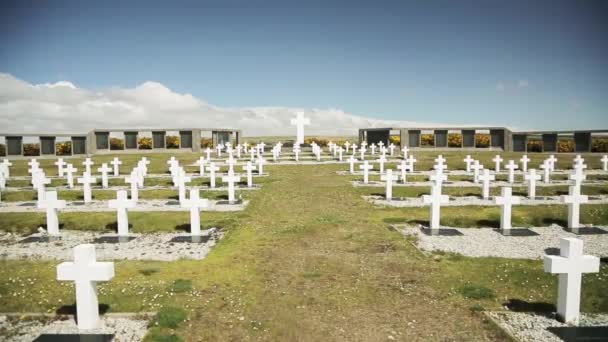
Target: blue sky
(524,64)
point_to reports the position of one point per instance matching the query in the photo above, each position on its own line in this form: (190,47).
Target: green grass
(309,260)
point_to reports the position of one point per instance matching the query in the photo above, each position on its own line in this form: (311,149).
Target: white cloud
(523,84)
(500,86)
(63,107)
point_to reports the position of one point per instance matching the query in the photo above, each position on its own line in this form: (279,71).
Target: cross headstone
(249,168)
(404,151)
(438,178)
(116,166)
(181,180)
(411,160)
(296,152)
(467,162)
(7,168)
(238,150)
(552,160)
(70,170)
(574,199)
(340,150)
(85,271)
(34,166)
(476,167)
(524,163)
(218,149)
(366,167)
(104,169)
(87,165)
(435,199)
(578,160)
(362,153)
(51,204)
(381,162)
(195,204)
(86,180)
(299,122)
(391,148)
(133,180)
(604,161)
(372,147)
(511,166)
(403,167)
(388,177)
(230,162)
(231,179)
(531,177)
(354,148)
(578,176)
(39,180)
(497,161)
(260,161)
(60,164)
(201,162)
(208,153)
(212,168)
(485,178)
(121,204)
(570,265)
(352,160)
(506,200)
(144,162)
(347,144)
(546,166)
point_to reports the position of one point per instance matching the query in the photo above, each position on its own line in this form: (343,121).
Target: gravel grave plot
(125,329)
(533,327)
(464,172)
(142,205)
(128,187)
(487,242)
(458,184)
(150,175)
(154,246)
(461,201)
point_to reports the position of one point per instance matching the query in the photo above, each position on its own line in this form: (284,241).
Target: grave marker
(87,165)
(497,160)
(467,162)
(60,164)
(366,166)
(70,170)
(531,177)
(85,271)
(104,169)
(381,162)
(121,204)
(212,168)
(51,204)
(201,162)
(86,180)
(116,166)
(352,161)
(231,179)
(574,200)
(133,179)
(388,177)
(511,166)
(524,163)
(506,201)
(195,204)
(435,199)
(249,168)
(485,179)
(403,167)
(604,161)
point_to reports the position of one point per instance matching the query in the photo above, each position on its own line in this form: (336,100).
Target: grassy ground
(310,260)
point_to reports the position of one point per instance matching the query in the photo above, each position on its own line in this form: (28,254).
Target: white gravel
(470,184)
(128,187)
(457,172)
(532,327)
(154,246)
(99,206)
(461,201)
(486,242)
(125,329)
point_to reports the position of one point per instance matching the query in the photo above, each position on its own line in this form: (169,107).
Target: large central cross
(299,122)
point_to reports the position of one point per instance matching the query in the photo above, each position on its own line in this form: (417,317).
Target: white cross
(546,166)
(380,143)
(51,204)
(144,162)
(389,178)
(362,152)
(391,147)
(363,143)
(2,177)
(87,165)
(140,174)
(511,166)
(403,167)
(354,147)
(39,179)
(121,204)
(524,163)
(104,169)
(570,265)
(296,151)
(552,161)
(181,180)
(86,180)
(208,153)
(133,179)
(260,161)
(574,200)
(7,164)
(252,152)
(201,162)
(381,161)
(531,177)
(497,160)
(347,144)
(373,148)
(411,160)
(245,146)
(299,122)
(212,168)
(604,161)
(60,164)
(116,166)
(435,199)
(486,178)
(404,151)
(219,150)
(85,271)
(230,162)
(249,168)
(70,170)
(506,201)
(231,179)
(340,150)
(578,176)
(352,160)
(238,149)
(34,166)
(195,204)
(467,161)
(440,159)
(438,177)
(366,166)
(476,168)
(578,160)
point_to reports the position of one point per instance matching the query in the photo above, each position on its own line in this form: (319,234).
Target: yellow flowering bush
(172,141)
(482,140)
(454,140)
(63,148)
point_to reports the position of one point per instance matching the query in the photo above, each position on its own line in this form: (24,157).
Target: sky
(521,64)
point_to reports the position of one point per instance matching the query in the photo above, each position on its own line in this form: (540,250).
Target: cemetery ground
(308,260)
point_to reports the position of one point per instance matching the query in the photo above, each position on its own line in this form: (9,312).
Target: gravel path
(128,187)
(461,201)
(99,206)
(486,242)
(462,172)
(125,329)
(532,327)
(156,246)
(457,184)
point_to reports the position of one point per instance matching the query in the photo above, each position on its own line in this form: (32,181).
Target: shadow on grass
(114,226)
(183,227)
(549,221)
(519,305)
(71,309)
(488,223)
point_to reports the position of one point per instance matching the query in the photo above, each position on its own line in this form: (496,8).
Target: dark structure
(501,138)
